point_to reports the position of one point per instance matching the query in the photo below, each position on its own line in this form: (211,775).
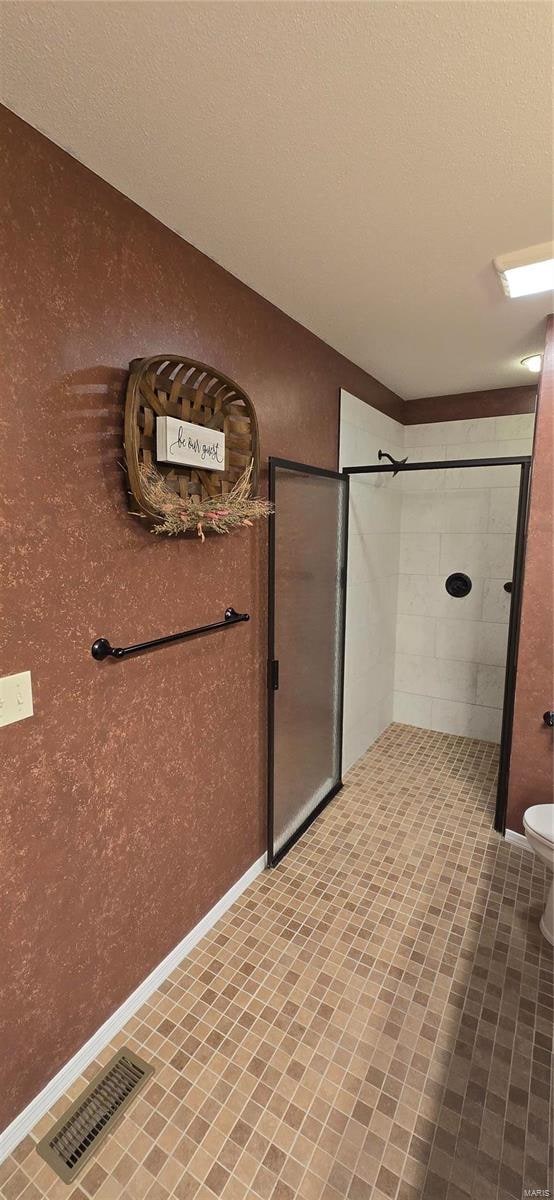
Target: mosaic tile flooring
(370,1019)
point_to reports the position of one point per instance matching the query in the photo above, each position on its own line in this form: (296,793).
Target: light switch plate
(16,698)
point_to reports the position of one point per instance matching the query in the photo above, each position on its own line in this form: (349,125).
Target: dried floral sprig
(223,513)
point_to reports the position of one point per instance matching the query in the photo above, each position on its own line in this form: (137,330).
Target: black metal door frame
(524,462)
(273,857)
(513,647)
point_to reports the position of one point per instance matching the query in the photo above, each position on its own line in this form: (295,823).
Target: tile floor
(370,1019)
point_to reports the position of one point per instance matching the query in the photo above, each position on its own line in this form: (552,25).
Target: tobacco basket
(168,385)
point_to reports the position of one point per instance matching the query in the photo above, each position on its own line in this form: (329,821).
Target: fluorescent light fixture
(533,363)
(527,271)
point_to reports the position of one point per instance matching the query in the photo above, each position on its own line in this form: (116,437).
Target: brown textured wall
(531,767)
(136,795)
(461,406)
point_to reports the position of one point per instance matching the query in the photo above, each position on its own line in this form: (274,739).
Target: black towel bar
(101,648)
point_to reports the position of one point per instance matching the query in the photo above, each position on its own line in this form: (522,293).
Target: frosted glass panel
(308,547)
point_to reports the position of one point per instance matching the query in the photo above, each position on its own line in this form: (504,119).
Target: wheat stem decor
(180,497)
(176,514)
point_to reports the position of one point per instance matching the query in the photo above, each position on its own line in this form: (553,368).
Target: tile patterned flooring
(371,1019)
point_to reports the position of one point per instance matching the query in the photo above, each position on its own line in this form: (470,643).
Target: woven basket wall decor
(169,385)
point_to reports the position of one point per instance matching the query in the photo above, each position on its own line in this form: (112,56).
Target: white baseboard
(517,839)
(40,1105)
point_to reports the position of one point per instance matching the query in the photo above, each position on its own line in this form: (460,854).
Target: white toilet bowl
(538,823)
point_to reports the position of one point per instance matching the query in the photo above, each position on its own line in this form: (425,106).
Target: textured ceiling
(359,164)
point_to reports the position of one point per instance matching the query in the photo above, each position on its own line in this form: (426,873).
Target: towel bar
(101,648)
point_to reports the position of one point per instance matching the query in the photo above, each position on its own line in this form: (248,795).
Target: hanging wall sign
(188,444)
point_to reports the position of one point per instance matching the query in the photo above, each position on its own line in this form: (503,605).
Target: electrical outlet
(16,698)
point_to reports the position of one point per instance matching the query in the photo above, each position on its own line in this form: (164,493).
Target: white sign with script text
(188,444)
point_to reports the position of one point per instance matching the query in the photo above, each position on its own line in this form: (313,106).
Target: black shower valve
(458,584)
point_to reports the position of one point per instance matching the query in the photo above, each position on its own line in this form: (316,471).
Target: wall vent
(75,1137)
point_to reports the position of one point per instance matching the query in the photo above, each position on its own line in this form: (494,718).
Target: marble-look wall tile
(410,709)
(375,509)
(425,675)
(426,596)
(489,555)
(420,553)
(432,480)
(458,512)
(490,685)
(468,478)
(429,435)
(507,449)
(473,513)
(373,562)
(471,641)
(451,519)
(503,509)
(377,714)
(471,720)
(515,426)
(415,634)
(496,600)
(368,606)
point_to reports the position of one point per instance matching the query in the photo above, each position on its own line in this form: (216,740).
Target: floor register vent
(76,1136)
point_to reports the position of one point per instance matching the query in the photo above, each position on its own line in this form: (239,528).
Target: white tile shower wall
(406,535)
(450,659)
(373,553)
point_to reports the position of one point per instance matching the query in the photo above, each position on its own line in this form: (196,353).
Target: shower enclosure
(465,556)
(307,582)
(462,524)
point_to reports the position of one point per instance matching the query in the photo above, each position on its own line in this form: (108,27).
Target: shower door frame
(274,464)
(524,461)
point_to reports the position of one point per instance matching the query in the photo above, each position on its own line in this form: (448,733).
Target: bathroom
(312,909)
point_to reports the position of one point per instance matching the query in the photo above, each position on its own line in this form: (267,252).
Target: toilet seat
(538,823)
(539,820)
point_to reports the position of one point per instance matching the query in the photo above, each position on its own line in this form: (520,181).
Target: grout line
(24,1122)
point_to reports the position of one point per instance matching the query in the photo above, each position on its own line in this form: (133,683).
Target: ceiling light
(532,362)
(527,271)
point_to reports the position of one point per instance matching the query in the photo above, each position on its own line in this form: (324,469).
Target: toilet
(538,823)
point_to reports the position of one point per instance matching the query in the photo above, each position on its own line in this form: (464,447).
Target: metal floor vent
(76,1136)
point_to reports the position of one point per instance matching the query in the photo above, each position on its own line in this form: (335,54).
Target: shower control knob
(548,718)
(458,584)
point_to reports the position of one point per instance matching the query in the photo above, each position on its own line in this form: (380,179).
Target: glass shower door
(307,583)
